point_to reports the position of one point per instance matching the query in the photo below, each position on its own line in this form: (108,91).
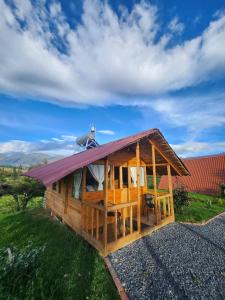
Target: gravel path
(179,261)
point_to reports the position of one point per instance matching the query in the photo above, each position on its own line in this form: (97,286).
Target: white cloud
(194,113)
(175,26)
(192,148)
(104,57)
(107,132)
(64,145)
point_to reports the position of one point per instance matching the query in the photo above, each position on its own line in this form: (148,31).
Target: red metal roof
(56,170)
(207,173)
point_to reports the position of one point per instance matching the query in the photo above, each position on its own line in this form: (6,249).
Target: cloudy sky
(124,66)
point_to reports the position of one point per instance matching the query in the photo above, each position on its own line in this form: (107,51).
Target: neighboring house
(207,175)
(102,192)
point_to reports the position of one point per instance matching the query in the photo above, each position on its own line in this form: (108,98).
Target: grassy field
(200,209)
(69,268)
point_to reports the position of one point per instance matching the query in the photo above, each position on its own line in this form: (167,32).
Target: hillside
(16,159)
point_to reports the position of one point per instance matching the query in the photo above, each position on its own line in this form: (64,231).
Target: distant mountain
(16,159)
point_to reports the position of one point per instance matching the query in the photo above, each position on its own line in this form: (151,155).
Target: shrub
(181,199)
(222,190)
(22,191)
(18,269)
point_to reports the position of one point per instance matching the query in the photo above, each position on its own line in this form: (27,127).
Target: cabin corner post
(83,189)
(155,184)
(138,186)
(170,185)
(106,192)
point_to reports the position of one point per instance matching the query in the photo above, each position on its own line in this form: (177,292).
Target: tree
(22,191)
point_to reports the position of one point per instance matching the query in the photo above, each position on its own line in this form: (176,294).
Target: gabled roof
(56,170)
(207,173)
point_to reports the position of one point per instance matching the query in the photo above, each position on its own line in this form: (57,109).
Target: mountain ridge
(16,159)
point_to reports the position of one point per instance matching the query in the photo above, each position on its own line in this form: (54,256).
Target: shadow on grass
(69,268)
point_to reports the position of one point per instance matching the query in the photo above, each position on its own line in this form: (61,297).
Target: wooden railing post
(105,204)
(138,187)
(170,190)
(155,185)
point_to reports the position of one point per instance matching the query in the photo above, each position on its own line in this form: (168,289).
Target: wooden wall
(69,209)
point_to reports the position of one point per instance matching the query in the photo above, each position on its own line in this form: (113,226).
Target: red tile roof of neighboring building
(207,173)
(56,170)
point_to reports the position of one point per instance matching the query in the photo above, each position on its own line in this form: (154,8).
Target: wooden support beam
(129,181)
(170,190)
(106,186)
(138,187)
(160,152)
(157,165)
(105,205)
(113,183)
(145,178)
(155,185)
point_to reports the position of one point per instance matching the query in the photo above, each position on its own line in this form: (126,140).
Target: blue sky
(124,66)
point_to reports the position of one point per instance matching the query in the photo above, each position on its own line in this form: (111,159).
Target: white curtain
(77,177)
(133,173)
(142,176)
(98,172)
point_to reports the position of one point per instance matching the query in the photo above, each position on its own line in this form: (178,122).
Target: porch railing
(92,218)
(163,207)
(102,226)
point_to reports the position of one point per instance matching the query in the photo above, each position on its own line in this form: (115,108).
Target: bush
(22,191)
(18,269)
(222,190)
(181,199)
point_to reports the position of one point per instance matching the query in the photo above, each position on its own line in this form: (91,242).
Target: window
(91,183)
(76,184)
(116,177)
(125,177)
(56,186)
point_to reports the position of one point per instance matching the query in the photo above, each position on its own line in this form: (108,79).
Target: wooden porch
(121,216)
(117,215)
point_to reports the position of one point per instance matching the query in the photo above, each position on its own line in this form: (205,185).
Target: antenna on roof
(88,141)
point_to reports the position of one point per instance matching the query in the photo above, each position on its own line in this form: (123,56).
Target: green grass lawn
(199,209)
(69,268)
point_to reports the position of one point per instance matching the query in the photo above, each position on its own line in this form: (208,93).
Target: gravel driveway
(179,261)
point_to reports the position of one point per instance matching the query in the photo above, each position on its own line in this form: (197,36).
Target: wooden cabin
(109,194)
